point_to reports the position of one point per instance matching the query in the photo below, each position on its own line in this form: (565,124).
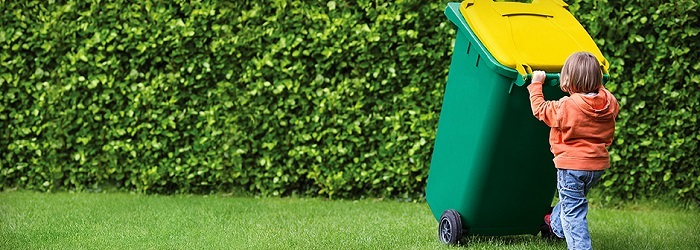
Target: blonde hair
(581,74)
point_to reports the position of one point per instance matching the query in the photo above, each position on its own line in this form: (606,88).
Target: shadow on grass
(511,241)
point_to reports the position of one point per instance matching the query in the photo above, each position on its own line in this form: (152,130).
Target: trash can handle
(553,78)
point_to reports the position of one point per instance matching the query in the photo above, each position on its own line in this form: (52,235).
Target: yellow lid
(526,37)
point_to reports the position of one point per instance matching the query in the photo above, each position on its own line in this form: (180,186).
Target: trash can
(491,171)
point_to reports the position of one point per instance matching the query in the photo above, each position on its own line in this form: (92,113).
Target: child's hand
(538,76)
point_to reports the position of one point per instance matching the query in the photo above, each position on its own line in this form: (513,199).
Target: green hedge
(332,98)
(279,98)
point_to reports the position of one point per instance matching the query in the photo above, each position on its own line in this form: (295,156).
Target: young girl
(582,127)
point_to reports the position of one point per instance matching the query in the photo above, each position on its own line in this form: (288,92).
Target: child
(582,127)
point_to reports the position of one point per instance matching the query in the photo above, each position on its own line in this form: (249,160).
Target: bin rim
(452,11)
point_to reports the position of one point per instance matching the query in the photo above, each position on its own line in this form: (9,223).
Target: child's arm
(545,111)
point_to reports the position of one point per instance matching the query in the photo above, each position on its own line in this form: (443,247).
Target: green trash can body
(491,160)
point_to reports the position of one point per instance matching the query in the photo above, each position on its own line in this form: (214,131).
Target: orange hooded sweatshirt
(582,127)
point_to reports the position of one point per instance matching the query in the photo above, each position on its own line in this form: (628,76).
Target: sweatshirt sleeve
(546,111)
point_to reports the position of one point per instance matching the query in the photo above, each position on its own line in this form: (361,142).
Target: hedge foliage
(276,98)
(322,98)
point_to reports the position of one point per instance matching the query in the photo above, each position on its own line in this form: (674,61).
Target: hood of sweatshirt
(601,106)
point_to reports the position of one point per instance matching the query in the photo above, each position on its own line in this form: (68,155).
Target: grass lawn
(30,220)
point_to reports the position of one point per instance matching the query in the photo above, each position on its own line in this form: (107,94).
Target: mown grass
(30,220)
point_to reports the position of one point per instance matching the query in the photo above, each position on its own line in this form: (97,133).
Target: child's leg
(569,215)
(555,218)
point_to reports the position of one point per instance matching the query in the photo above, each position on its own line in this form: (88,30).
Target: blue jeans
(568,218)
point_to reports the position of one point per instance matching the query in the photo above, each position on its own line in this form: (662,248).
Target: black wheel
(450,228)
(545,232)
